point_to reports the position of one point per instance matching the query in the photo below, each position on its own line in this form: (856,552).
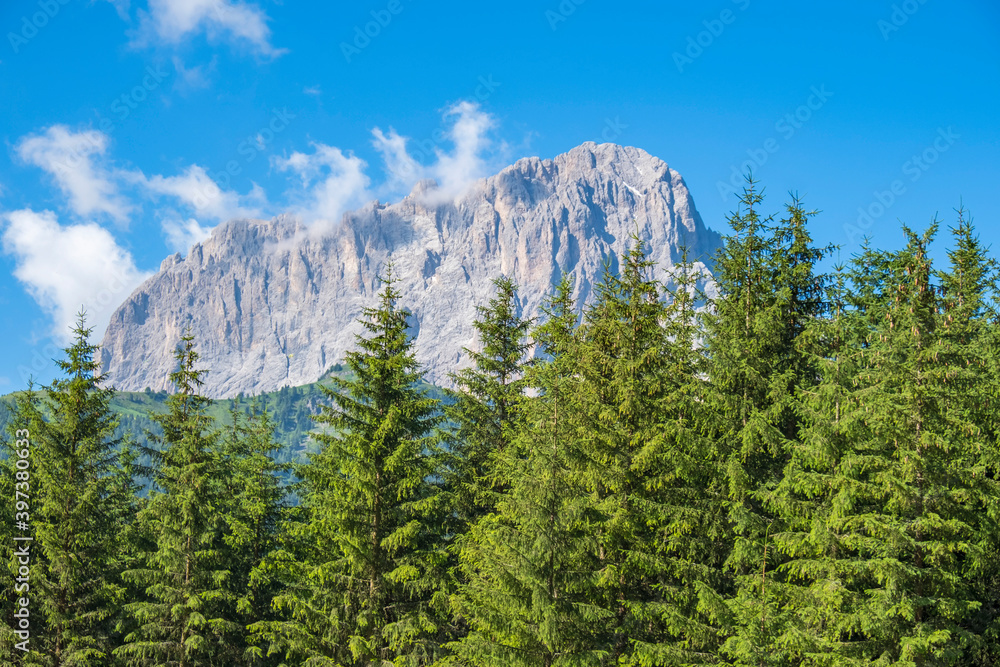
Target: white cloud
(182,234)
(70,158)
(315,91)
(196,189)
(332,184)
(471,157)
(65,267)
(401,169)
(466,163)
(192,78)
(172,21)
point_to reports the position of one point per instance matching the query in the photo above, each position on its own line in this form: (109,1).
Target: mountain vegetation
(804,472)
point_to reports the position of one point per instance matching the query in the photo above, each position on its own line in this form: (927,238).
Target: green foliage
(486,405)
(363,571)
(185,616)
(79,503)
(806,471)
(527,592)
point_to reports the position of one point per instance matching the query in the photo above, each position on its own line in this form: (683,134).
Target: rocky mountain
(273,304)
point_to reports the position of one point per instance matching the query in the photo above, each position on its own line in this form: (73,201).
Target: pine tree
(362,573)
(527,594)
(769,291)
(76,503)
(680,496)
(637,396)
(823,593)
(256,506)
(185,618)
(487,403)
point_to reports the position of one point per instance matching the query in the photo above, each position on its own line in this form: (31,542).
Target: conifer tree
(487,403)
(76,590)
(256,506)
(636,410)
(527,594)
(822,592)
(363,572)
(769,293)
(186,616)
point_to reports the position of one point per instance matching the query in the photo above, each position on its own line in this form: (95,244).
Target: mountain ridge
(272,304)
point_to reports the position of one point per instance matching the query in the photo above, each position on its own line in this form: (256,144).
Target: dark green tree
(186,616)
(486,405)
(76,506)
(255,508)
(363,572)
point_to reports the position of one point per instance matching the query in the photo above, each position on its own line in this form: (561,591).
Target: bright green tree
(528,591)
(363,571)
(486,406)
(769,294)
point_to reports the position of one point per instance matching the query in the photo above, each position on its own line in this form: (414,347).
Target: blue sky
(130,129)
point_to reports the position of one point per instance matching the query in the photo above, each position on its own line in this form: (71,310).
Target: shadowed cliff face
(271,304)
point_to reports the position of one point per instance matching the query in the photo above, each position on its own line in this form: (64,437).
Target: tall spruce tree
(257,505)
(186,616)
(76,589)
(822,591)
(882,495)
(625,363)
(362,573)
(769,292)
(528,594)
(486,405)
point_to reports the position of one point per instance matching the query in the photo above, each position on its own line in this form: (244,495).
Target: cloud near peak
(66,267)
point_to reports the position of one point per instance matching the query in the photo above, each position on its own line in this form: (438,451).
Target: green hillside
(292,409)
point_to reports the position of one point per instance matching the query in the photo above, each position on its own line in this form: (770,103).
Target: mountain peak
(270,306)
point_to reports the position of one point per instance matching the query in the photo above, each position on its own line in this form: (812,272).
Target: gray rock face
(272,304)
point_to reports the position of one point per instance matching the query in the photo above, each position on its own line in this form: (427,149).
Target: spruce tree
(363,571)
(769,293)
(76,502)
(528,594)
(637,396)
(185,617)
(255,508)
(486,404)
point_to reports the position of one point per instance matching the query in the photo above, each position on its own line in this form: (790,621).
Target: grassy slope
(291,408)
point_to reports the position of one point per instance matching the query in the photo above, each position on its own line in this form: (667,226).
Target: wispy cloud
(474,154)
(66,267)
(195,189)
(171,22)
(196,77)
(182,234)
(332,183)
(75,161)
